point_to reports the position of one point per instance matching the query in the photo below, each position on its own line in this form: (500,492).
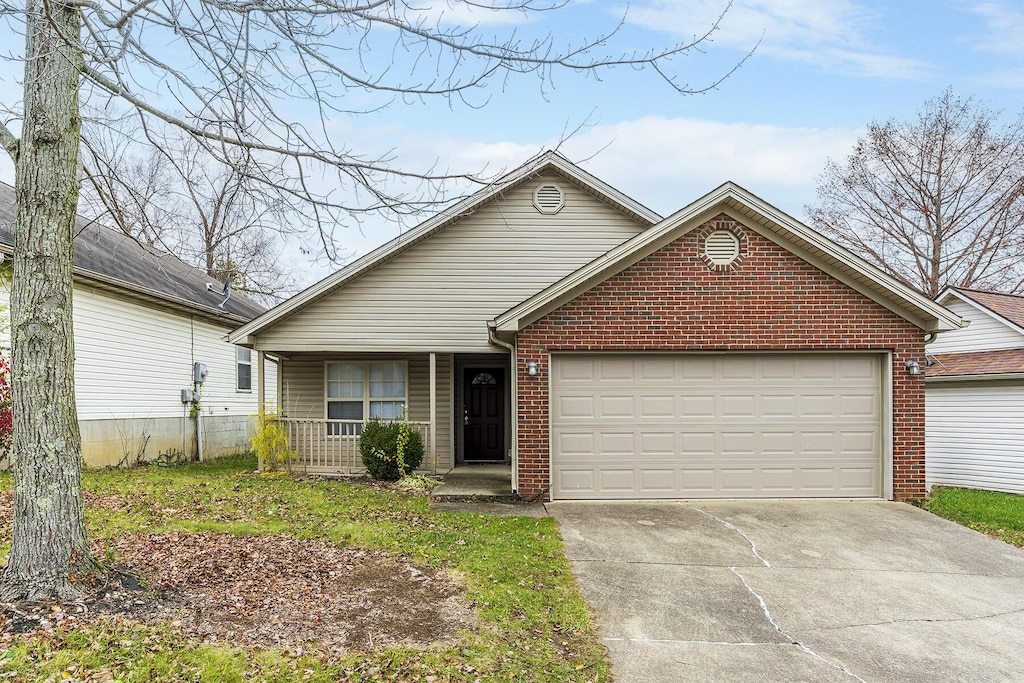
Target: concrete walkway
(477,481)
(796,591)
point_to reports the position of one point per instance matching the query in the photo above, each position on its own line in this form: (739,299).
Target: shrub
(6,416)
(270,442)
(390,449)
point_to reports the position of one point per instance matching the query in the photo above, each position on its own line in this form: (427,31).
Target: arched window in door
(484,378)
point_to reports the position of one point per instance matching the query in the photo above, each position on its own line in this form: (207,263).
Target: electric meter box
(199,373)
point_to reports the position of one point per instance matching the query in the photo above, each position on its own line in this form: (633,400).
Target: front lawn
(1000,515)
(531,622)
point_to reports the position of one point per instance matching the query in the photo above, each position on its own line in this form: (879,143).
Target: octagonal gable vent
(722,247)
(548,198)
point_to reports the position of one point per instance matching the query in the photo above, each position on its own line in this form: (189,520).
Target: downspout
(514,363)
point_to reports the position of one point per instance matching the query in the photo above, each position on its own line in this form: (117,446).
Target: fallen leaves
(274,590)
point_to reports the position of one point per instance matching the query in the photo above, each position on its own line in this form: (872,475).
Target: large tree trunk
(50,556)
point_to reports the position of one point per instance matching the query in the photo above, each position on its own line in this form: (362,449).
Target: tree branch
(10,143)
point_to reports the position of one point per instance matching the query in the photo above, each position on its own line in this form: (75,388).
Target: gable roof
(113,261)
(1006,308)
(546,162)
(732,199)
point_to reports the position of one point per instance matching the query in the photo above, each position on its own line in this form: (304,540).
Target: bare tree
(172,194)
(936,202)
(236,71)
(132,189)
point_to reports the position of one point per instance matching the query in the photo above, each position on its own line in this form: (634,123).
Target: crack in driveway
(764,606)
(792,639)
(914,621)
(753,547)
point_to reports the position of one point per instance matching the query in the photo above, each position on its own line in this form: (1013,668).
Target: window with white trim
(359,391)
(243,368)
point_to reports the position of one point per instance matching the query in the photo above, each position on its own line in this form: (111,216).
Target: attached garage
(716,426)
(727,352)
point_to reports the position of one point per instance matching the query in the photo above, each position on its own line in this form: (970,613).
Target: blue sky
(822,71)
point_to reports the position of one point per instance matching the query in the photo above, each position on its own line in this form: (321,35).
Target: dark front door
(484,393)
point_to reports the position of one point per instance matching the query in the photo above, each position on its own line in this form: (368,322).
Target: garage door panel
(771,436)
(738,405)
(617,406)
(657,407)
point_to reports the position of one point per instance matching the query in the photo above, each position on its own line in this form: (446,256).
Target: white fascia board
(513,319)
(952,293)
(386,251)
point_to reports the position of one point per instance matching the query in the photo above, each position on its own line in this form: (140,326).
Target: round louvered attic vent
(722,247)
(548,198)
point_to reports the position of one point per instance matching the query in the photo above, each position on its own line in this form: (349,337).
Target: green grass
(534,625)
(1000,515)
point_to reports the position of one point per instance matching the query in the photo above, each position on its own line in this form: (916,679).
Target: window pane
(388,410)
(243,355)
(345,410)
(387,380)
(244,376)
(344,380)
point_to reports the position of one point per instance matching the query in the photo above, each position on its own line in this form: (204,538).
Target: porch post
(261,392)
(433,412)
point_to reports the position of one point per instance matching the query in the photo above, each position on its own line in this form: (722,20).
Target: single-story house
(551,322)
(974,394)
(142,320)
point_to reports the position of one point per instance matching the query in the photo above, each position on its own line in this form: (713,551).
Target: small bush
(270,442)
(390,449)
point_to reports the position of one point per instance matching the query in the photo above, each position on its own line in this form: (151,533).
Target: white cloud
(828,33)
(664,163)
(667,163)
(1004,27)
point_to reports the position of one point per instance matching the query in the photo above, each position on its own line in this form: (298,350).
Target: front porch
(332,446)
(459,403)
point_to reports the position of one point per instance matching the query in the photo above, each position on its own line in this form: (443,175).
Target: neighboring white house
(142,320)
(974,395)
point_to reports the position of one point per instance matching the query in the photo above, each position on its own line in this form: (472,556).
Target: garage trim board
(719,425)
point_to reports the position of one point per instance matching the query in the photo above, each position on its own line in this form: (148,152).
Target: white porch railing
(332,446)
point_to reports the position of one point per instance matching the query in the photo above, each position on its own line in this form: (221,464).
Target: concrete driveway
(796,591)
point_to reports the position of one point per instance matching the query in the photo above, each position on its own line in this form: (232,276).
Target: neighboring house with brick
(974,394)
(142,319)
(550,322)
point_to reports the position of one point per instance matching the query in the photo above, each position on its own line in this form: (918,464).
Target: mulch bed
(264,591)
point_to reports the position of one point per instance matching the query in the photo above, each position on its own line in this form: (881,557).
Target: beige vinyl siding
(974,434)
(132,360)
(302,390)
(438,295)
(985,333)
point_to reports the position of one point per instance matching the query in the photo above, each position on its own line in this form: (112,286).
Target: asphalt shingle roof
(1004,362)
(141,269)
(1009,306)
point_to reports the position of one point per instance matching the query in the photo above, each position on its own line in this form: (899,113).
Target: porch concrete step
(490,483)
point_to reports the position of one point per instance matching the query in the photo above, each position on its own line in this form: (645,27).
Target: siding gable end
(439,294)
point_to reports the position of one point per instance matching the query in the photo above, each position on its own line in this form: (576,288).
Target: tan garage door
(716,426)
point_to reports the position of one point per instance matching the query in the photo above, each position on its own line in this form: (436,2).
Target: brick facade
(673,301)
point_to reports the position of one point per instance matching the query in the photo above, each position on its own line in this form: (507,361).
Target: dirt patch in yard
(266,591)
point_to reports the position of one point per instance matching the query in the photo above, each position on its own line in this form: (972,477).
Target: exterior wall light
(913,367)
(531,368)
